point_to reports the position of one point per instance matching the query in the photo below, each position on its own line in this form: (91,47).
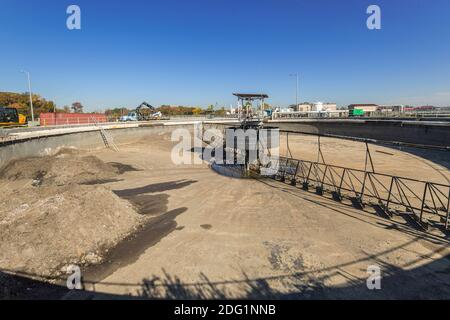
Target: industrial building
(316,106)
(304,107)
(368,107)
(391,108)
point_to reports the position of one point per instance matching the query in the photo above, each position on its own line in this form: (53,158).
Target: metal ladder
(106,137)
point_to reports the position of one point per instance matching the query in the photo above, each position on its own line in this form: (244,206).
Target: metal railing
(420,199)
(413,115)
(310,114)
(106,137)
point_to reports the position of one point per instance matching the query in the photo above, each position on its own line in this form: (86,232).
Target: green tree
(221,112)
(77,107)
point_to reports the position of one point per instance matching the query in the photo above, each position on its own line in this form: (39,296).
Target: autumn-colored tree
(175,110)
(20,106)
(197,111)
(21,101)
(77,107)
(116,112)
(267,106)
(221,112)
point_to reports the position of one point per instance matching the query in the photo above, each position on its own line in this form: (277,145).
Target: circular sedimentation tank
(144,224)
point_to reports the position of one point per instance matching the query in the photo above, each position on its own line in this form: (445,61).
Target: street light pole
(31,97)
(296,89)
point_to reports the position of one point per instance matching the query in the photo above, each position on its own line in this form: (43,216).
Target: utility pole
(296,88)
(31,96)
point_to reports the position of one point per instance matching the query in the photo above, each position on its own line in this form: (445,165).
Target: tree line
(21,101)
(167,110)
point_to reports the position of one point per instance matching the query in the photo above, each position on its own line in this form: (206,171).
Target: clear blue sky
(197,52)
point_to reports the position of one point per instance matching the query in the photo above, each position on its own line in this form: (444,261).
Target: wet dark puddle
(122,168)
(129,250)
(145,202)
(230,170)
(149,204)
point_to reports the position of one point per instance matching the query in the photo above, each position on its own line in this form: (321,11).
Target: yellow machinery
(10,117)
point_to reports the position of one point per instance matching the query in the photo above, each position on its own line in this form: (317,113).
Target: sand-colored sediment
(221,237)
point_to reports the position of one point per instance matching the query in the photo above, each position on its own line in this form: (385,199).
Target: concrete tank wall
(82,140)
(430,134)
(402,131)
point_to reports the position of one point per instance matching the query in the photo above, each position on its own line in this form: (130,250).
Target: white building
(320,106)
(304,107)
(316,106)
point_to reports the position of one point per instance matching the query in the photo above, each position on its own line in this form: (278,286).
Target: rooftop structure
(251,96)
(245,106)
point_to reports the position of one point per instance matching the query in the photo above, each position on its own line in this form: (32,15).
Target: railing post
(423,201)
(363,187)
(305,183)
(448,210)
(324,175)
(294,179)
(284,170)
(340,184)
(389,195)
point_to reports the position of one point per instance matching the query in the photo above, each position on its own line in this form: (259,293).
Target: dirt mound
(64,168)
(56,211)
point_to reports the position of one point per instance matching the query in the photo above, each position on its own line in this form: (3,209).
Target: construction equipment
(10,117)
(138,115)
